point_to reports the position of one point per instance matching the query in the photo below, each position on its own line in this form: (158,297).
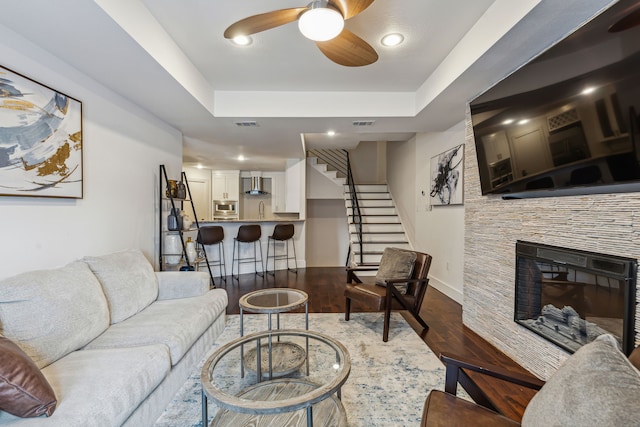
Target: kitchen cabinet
(226,185)
(286,187)
(496,147)
(612,124)
(278,192)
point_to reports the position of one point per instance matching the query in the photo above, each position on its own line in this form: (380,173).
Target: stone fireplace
(571,297)
(604,223)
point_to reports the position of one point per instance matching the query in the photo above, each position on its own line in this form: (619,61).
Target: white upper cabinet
(226,185)
(278,192)
(287,186)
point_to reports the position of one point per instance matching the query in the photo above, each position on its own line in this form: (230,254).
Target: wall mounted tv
(567,122)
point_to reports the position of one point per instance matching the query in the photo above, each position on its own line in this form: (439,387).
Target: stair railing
(334,158)
(355,206)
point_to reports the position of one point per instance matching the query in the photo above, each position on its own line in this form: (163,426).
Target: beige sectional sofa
(114,339)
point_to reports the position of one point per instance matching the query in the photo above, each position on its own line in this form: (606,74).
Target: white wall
(438,231)
(327,239)
(368,163)
(122,148)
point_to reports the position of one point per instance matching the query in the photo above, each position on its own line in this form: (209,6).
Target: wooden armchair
(446,409)
(596,386)
(388,297)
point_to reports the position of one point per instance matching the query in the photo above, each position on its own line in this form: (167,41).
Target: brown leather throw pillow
(24,391)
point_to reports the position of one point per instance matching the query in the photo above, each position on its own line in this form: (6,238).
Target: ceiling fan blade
(349,50)
(350,8)
(629,21)
(264,21)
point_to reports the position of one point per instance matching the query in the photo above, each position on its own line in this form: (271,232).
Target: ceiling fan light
(321,24)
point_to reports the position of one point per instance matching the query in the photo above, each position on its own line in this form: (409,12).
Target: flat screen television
(567,122)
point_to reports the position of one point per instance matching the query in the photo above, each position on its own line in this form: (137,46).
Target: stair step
(374,211)
(368,188)
(368,252)
(371,203)
(380,242)
(378,226)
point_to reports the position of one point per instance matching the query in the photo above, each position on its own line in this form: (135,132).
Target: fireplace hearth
(570,297)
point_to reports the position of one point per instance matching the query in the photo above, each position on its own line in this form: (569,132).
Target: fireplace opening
(570,297)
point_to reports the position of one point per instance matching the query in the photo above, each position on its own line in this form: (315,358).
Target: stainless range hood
(256,186)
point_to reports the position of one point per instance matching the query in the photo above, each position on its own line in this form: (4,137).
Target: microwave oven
(225,209)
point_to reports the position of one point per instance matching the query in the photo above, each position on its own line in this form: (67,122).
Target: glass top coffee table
(303,398)
(284,356)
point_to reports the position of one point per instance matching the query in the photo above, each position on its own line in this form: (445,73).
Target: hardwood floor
(446,333)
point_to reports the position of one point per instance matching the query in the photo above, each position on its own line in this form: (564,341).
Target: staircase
(378,225)
(381,225)
(331,163)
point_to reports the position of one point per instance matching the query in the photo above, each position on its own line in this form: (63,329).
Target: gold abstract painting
(40,139)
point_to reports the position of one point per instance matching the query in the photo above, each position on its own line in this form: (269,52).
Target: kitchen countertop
(236,221)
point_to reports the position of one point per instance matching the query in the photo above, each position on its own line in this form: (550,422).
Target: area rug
(388,384)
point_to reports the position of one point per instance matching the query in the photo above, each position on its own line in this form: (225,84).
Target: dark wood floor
(446,334)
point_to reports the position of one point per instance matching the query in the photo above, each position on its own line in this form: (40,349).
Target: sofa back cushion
(596,386)
(50,313)
(128,281)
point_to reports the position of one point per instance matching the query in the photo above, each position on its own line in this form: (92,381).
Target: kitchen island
(267,225)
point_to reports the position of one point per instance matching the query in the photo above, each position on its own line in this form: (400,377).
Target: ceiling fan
(321,21)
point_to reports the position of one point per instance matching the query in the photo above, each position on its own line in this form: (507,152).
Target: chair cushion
(24,391)
(50,313)
(446,410)
(596,386)
(128,281)
(396,264)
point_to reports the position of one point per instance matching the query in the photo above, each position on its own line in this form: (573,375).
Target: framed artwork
(40,139)
(446,177)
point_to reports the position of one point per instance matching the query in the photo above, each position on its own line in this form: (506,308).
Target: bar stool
(247,234)
(208,236)
(282,233)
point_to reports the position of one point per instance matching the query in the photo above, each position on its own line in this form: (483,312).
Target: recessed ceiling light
(507,122)
(523,122)
(241,158)
(393,39)
(242,40)
(199,166)
(331,132)
(588,90)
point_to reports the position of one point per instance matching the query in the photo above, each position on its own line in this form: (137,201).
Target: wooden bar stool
(282,233)
(209,236)
(250,233)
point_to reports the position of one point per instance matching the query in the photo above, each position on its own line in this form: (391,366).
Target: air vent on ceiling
(246,124)
(363,122)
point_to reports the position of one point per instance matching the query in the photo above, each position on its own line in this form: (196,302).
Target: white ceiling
(170,58)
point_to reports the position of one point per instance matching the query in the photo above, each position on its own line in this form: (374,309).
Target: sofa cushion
(596,386)
(128,281)
(396,264)
(176,323)
(100,387)
(24,391)
(50,313)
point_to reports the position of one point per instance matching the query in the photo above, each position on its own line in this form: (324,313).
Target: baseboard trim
(446,289)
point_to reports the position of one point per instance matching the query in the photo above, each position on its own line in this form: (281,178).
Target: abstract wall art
(40,139)
(446,177)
